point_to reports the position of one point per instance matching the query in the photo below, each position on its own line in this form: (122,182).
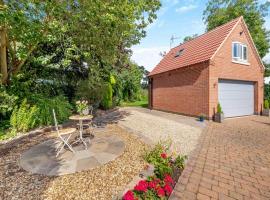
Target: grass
(143,104)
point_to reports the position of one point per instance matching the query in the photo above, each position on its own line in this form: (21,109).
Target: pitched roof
(198,50)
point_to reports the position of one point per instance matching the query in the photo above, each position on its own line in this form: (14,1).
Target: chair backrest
(91,108)
(55,121)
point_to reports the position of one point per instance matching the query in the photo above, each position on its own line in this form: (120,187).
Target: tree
(191,37)
(102,30)
(267,69)
(219,12)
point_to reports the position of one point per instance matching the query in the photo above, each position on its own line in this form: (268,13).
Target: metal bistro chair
(64,136)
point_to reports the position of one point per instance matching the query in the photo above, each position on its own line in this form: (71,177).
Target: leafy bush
(266,104)
(180,161)
(92,91)
(45,105)
(219,109)
(24,117)
(7,102)
(159,185)
(158,157)
(106,102)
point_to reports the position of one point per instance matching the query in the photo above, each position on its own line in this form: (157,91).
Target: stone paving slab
(232,161)
(41,159)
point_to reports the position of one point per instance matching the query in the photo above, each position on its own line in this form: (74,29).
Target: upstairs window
(239,52)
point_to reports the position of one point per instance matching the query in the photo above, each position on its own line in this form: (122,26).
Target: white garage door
(236,97)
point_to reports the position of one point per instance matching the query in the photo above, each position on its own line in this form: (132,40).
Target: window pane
(244,53)
(235,50)
(240,51)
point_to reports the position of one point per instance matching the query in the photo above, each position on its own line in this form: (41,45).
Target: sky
(179,18)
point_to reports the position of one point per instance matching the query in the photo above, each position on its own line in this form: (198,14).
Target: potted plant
(266,108)
(201,117)
(219,115)
(82,107)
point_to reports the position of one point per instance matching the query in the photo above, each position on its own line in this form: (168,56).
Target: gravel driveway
(154,126)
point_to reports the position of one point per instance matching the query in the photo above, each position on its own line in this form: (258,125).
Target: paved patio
(231,162)
(41,159)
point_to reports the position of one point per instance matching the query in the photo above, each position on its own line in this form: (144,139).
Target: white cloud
(185,8)
(148,57)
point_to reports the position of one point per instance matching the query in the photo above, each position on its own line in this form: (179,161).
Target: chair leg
(64,142)
(62,147)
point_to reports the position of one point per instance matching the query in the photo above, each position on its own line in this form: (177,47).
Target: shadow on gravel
(109,117)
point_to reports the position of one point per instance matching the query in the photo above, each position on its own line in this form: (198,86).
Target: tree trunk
(3,56)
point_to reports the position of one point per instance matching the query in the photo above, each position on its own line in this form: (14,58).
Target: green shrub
(106,102)
(155,157)
(180,161)
(24,117)
(219,109)
(60,104)
(266,104)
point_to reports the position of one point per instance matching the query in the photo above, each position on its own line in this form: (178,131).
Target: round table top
(81,117)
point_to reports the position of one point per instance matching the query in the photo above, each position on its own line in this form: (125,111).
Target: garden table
(81,118)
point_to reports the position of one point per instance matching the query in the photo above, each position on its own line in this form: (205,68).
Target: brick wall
(182,91)
(222,67)
(193,90)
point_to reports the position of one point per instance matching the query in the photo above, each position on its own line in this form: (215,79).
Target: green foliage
(219,12)
(106,102)
(162,165)
(130,79)
(45,107)
(24,117)
(267,91)
(267,69)
(7,102)
(81,106)
(266,104)
(107,28)
(219,109)
(191,37)
(143,104)
(180,161)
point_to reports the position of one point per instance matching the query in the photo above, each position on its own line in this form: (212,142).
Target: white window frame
(240,58)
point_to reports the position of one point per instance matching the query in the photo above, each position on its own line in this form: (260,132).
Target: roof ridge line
(236,19)
(239,19)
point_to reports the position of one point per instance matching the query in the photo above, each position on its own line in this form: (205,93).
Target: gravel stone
(101,183)
(153,126)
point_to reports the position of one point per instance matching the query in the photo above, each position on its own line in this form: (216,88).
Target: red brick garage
(187,79)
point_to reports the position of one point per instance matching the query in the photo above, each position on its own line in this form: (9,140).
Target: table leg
(81,134)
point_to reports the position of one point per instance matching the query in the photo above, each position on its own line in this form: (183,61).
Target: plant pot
(266,112)
(85,112)
(219,117)
(201,118)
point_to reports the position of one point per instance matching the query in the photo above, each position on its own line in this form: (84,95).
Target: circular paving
(41,159)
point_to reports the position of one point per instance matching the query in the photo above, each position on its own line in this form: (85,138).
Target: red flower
(163,155)
(141,186)
(160,192)
(168,189)
(129,196)
(152,184)
(168,179)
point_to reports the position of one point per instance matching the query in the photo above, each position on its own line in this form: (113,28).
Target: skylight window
(179,53)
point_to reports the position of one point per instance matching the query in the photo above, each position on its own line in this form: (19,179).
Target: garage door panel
(236,97)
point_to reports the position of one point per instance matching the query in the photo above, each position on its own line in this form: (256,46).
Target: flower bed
(167,170)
